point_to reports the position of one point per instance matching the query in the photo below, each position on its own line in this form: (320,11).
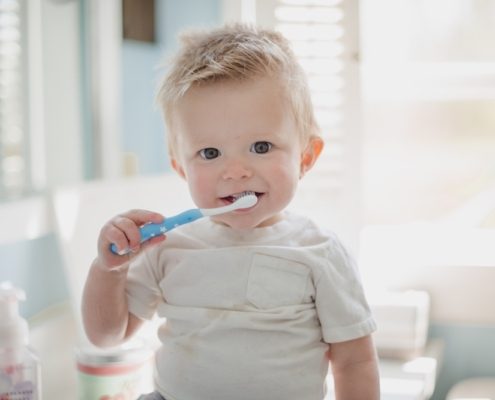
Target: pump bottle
(19,365)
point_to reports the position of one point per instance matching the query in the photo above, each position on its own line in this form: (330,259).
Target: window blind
(13,168)
(324,36)
(315,30)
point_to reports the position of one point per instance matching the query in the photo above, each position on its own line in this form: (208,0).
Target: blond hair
(237,53)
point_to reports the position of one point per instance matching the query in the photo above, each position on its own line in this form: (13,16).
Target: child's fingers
(129,223)
(141,217)
(123,230)
(129,229)
(111,234)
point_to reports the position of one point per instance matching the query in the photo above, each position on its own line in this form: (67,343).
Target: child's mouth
(233,197)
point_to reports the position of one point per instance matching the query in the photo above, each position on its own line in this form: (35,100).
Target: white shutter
(324,35)
(13,143)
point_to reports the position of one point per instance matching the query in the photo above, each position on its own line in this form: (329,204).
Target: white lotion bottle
(19,365)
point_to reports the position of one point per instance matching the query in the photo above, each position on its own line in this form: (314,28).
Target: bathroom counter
(53,337)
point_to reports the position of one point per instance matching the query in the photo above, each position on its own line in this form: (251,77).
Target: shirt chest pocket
(276,282)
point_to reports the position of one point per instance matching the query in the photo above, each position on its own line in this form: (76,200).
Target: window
(22,142)
(429,97)
(14,175)
(405,95)
(40,96)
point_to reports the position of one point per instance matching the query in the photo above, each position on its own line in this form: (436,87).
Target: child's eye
(209,153)
(261,147)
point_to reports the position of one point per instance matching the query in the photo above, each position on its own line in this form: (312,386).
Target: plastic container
(19,365)
(117,374)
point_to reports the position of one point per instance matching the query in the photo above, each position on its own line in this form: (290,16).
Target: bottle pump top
(13,329)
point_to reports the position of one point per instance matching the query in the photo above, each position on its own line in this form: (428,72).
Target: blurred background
(405,94)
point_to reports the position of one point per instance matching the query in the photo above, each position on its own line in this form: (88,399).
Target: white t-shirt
(249,315)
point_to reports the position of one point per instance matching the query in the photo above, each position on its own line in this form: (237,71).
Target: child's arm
(355,369)
(106,318)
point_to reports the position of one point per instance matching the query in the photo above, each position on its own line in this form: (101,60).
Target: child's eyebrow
(200,140)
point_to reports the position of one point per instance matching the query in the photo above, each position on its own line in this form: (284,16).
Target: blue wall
(469,352)
(143,129)
(36,267)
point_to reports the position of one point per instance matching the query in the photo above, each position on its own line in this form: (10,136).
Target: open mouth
(233,197)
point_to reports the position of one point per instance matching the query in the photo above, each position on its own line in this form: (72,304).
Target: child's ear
(177,167)
(310,154)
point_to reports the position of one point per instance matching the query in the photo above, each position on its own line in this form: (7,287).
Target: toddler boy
(258,302)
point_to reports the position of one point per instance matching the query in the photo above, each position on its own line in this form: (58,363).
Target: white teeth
(239,195)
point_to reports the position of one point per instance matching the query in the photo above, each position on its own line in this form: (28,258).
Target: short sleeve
(143,291)
(342,308)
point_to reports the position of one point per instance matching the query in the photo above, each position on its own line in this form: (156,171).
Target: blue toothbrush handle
(149,231)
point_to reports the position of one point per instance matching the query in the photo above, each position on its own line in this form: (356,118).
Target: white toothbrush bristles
(245,200)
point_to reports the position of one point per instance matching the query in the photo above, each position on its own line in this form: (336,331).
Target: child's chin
(235,221)
(245,222)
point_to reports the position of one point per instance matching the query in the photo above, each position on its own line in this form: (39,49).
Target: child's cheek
(202,186)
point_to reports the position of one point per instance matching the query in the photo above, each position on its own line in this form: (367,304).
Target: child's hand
(123,231)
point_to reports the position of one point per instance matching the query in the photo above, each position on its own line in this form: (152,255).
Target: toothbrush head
(246,200)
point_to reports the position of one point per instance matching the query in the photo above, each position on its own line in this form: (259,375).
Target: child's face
(234,137)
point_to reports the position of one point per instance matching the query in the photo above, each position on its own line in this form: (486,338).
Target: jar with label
(118,374)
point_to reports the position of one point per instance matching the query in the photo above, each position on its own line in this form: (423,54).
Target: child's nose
(237,169)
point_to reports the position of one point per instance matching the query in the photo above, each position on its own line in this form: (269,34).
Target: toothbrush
(148,231)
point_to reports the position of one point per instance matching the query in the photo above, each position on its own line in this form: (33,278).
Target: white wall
(60,52)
